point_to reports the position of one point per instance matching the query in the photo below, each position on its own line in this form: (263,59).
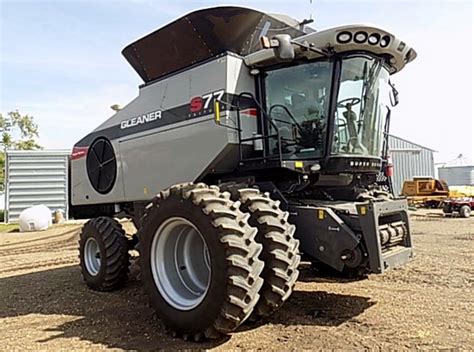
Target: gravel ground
(428,304)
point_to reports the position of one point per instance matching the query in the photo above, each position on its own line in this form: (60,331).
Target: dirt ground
(44,303)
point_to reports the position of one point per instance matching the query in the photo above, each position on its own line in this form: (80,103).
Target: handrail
(243,94)
(289,114)
(266,117)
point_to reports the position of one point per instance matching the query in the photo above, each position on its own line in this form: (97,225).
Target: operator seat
(311,125)
(302,108)
(354,144)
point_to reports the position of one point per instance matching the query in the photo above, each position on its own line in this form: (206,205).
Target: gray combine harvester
(253,139)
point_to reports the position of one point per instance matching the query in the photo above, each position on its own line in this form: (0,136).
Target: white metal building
(460,175)
(36,177)
(409,160)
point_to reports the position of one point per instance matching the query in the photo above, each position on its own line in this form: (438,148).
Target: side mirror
(394,100)
(285,50)
(282,45)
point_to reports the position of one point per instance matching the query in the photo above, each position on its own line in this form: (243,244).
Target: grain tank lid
(204,34)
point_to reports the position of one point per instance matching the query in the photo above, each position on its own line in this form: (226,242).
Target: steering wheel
(351,101)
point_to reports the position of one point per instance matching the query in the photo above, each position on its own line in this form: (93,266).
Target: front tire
(280,249)
(103,254)
(199,261)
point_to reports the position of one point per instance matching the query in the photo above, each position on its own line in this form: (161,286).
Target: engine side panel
(156,161)
(168,135)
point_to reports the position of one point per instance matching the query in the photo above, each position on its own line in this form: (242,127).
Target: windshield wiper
(369,85)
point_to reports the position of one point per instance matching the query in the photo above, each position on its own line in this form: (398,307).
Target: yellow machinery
(461,191)
(425,191)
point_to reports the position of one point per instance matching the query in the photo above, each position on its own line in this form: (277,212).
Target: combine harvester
(253,139)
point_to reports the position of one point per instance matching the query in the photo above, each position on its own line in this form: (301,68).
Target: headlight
(344,37)
(385,41)
(374,38)
(360,37)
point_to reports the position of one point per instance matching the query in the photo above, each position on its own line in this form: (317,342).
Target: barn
(409,159)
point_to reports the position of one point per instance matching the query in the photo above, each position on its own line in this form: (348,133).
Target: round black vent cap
(101,165)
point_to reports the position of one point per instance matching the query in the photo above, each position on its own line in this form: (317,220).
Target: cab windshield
(297,102)
(361,107)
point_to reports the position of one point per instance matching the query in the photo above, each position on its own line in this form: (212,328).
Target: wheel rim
(92,256)
(180,263)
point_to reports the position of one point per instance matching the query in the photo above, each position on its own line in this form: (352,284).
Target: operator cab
(330,102)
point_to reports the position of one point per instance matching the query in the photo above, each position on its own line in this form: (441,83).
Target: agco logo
(196,104)
(203,105)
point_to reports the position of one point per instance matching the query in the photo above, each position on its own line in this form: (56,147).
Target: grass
(9,228)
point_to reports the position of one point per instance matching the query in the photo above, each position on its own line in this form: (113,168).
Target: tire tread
(117,259)
(280,249)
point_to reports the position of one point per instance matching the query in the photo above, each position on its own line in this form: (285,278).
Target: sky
(61,62)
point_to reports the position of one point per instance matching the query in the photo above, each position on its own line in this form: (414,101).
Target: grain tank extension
(254,140)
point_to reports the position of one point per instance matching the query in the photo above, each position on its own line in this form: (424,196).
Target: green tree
(17,132)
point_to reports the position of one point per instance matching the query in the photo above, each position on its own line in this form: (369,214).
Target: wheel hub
(180,263)
(92,256)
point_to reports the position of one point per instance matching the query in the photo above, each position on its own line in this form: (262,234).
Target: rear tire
(213,287)
(465,211)
(280,249)
(447,209)
(103,254)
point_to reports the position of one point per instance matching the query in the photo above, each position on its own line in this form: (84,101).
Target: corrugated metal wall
(409,160)
(36,177)
(457,175)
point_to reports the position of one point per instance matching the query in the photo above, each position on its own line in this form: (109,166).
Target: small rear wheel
(103,254)
(465,211)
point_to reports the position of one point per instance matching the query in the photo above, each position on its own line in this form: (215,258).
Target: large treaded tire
(114,258)
(235,269)
(280,249)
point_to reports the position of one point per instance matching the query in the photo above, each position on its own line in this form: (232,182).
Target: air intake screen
(101,165)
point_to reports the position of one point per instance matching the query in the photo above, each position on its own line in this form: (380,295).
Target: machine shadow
(316,308)
(117,319)
(122,319)
(327,275)
(319,308)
